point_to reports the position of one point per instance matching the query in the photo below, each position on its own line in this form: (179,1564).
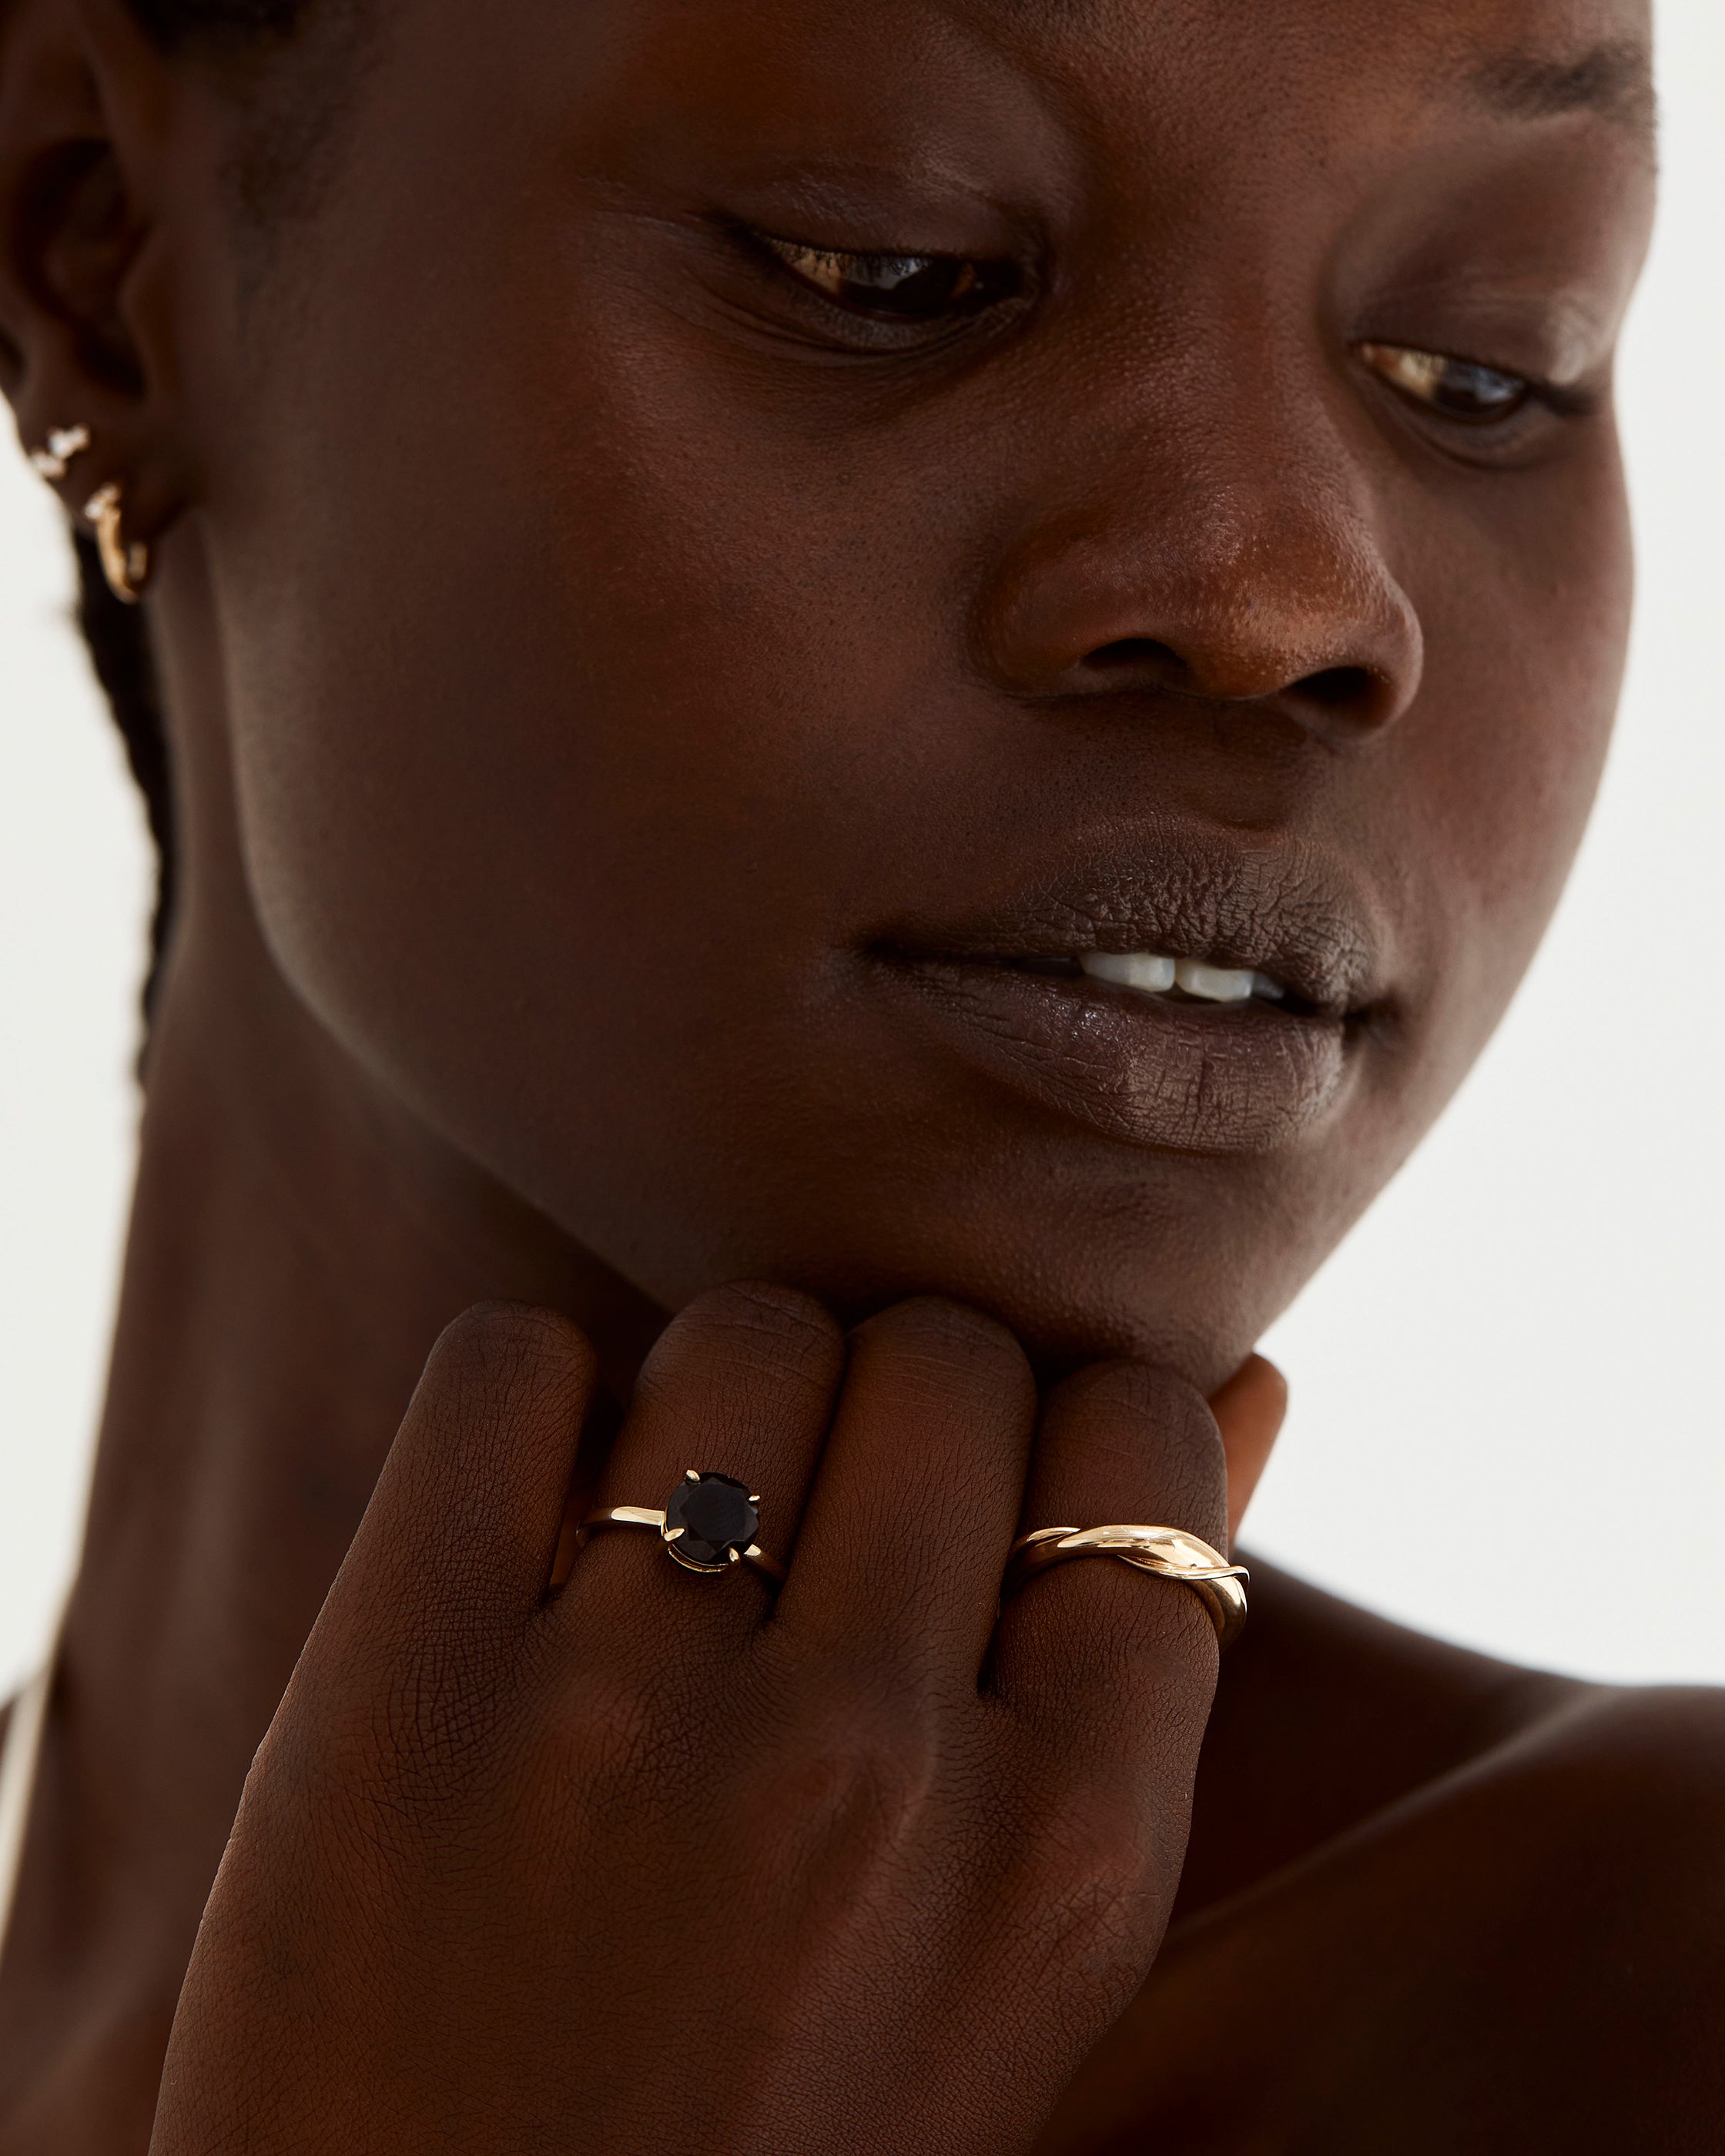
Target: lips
(1064,994)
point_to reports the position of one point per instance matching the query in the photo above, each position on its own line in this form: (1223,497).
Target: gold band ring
(1170,1553)
(708,1526)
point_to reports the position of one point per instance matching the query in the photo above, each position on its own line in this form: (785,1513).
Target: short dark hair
(120,651)
(172,23)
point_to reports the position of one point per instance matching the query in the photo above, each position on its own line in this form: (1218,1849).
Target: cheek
(581,735)
(1527,619)
(567,766)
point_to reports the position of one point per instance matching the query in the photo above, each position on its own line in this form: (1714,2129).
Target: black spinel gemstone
(717,1516)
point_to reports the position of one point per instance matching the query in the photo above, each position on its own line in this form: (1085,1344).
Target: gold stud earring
(127,568)
(63,444)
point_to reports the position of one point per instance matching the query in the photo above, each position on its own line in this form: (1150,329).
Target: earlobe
(83,384)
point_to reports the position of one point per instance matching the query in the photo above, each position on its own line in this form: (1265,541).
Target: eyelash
(1423,378)
(933,292)
(938,290)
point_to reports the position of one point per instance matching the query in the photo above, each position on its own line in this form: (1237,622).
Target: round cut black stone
(717,1516)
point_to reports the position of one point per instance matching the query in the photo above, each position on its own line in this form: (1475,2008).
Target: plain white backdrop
(1507,1424)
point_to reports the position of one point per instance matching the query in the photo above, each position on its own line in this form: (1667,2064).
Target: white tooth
(1216,984)
(1270,989)
(1130,969)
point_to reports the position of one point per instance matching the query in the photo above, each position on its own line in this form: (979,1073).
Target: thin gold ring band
(649,1515)
(1169,1553)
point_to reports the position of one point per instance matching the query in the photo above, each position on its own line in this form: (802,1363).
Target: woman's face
(755,541)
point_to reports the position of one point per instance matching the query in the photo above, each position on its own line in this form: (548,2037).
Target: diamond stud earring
(63,444)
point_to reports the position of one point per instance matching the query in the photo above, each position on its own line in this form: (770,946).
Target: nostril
(1142,656)
(1343,689)
(1351,697)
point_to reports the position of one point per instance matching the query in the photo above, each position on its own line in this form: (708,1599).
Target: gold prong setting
(711,1521)
(708,1527)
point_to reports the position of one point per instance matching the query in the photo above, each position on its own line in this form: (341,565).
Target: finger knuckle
(620,1738)
(1154,1420)
(861,1766)
(495,1348)
(415,1738)
(1096,1883)
(937,1334)
(759,1331)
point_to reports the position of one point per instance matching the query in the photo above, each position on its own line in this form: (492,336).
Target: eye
(899,288)
(1456,388)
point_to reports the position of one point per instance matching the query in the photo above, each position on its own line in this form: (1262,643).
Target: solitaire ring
(708,1526)
(1170,1553)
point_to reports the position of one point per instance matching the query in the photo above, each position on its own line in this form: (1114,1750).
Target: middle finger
(741,1384)
(912,1512)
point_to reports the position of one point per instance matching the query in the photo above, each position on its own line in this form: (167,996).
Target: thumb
(1249,1410)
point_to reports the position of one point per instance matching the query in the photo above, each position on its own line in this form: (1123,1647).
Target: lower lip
(1187,1077)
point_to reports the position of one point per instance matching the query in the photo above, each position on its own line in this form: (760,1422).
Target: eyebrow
(1614,79)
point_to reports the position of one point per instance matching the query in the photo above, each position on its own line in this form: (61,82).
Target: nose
(1265,588)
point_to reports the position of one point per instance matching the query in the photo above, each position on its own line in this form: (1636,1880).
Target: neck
(297,1244)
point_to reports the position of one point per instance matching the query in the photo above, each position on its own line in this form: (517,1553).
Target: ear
(85,328)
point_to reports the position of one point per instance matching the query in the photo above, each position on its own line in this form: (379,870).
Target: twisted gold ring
(708,1526)
(1170,1553)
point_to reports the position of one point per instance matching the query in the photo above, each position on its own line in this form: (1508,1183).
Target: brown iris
(1458,388)
(903,287)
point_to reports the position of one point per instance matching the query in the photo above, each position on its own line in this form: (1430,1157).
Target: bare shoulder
(1534,1948)
(1623,1756)
(1616,1806)
(1524,1948)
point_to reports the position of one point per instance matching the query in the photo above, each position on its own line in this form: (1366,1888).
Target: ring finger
(1094,1648)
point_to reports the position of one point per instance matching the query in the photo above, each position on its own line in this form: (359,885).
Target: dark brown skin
(643,732)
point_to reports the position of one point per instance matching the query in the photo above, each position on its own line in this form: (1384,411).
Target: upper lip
(1286,908)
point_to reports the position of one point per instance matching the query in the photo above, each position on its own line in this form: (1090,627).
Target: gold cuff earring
(127,568)
(63,444)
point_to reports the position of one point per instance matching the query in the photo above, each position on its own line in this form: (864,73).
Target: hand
(1249,1410)
(656,1862)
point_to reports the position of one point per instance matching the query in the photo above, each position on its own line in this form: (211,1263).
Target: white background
(1507,1422)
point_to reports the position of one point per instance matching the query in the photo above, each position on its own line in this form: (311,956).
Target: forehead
(1457,29)
(1189,81)
(1190,110)
(1533,59)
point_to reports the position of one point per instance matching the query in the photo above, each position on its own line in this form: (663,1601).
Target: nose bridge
(1206,524)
